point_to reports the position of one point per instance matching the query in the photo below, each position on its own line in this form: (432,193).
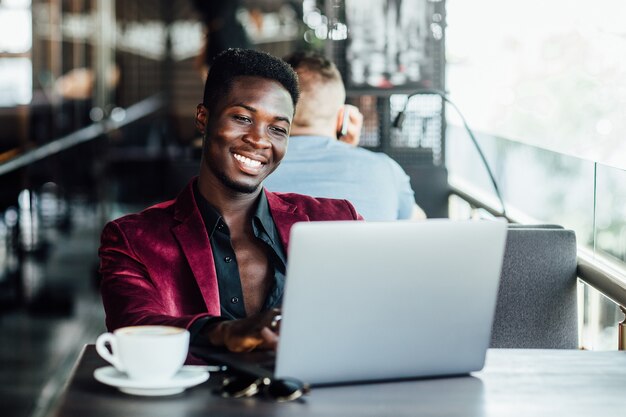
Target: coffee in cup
(153,353)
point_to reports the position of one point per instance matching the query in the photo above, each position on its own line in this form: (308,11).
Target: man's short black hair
(237,62)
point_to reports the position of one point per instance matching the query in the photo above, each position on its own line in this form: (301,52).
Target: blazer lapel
(285,216)
(194,242)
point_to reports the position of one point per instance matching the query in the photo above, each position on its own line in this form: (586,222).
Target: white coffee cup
(153,353)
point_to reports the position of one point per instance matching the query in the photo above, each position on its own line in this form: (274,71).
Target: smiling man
(213,260)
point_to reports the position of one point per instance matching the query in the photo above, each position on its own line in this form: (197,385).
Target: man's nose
(258,137)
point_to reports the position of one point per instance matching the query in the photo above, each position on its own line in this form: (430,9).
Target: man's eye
(241,118)
(279,130)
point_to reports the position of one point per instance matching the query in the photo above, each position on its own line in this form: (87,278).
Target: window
(15,46)
(549,74)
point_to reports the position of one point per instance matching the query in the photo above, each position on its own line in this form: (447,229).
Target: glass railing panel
(610,225)
(601,314)
(537,185)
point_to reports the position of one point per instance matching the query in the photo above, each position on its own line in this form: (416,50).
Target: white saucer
(187,377)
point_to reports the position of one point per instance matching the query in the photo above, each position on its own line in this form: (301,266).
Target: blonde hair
(322,92)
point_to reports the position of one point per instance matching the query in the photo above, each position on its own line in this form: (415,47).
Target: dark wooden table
(513,383)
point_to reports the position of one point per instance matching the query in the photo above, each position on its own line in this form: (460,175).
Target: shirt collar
(210,215)
(262,216)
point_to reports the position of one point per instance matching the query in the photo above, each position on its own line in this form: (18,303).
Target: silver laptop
(386,300)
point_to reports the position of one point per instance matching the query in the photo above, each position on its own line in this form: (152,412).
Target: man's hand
(354,123)
(255,332)
(417,213)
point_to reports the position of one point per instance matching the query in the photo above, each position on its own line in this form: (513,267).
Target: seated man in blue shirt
(321,164)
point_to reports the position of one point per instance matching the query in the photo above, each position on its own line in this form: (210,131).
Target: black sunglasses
(285,389)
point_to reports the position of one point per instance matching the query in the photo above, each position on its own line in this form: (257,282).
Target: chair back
(537,302)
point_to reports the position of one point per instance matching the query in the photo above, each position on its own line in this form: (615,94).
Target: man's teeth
(247,161)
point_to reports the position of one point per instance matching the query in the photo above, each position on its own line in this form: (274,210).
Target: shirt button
(227,259)
(234,300)
(220,226)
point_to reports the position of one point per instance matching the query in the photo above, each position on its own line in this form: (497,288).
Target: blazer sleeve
(355,214)
(128,292)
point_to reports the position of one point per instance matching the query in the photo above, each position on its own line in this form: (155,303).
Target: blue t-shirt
(325,167)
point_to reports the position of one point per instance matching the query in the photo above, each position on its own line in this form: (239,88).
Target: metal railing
(125,117)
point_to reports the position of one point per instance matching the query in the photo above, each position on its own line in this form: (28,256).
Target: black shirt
(228,279)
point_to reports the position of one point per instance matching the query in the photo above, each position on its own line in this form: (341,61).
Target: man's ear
(202,116)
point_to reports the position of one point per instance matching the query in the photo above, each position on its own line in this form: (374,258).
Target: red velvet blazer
(157,266)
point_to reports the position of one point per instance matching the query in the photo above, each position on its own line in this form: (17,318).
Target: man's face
(247,132)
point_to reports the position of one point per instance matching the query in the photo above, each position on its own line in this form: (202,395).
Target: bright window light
(546,73)
(15,81)
(15,3)
(15,30)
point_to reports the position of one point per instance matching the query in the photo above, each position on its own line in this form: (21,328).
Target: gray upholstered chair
(537,303)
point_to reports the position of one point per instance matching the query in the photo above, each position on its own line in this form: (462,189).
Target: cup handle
(102,350)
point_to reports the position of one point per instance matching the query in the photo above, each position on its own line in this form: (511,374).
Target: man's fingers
(270,339)
(355,123)
(356,117)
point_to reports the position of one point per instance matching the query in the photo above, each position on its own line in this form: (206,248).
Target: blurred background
(97,101)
